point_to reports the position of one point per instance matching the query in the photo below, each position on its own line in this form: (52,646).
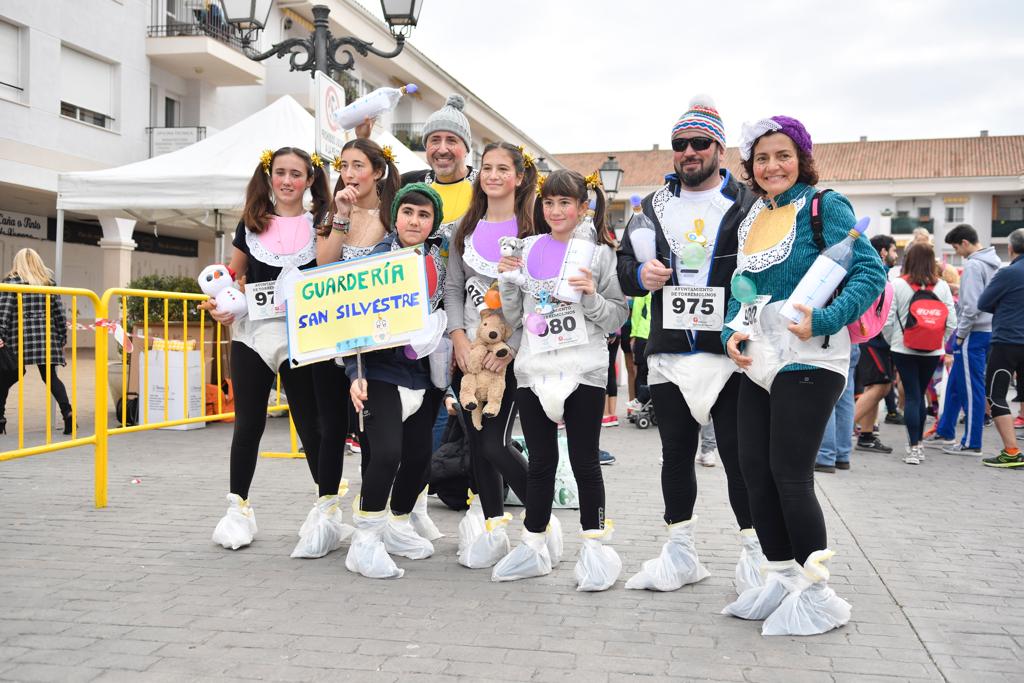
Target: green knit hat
(425,190)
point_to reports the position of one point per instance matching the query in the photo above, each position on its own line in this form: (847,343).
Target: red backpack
(925,329)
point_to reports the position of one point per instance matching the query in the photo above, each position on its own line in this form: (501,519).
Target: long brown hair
(259,207)
(389,183)
(525,195)
(806,171)
(571,184)
(919,266)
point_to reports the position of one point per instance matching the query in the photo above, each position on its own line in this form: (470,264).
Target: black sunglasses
(698,144)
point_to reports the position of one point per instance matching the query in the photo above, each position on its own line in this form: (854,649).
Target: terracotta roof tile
(847,161)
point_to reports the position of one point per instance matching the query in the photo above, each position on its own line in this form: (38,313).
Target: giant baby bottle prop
(827,271)
(371,105)
(641,233)
(579,254)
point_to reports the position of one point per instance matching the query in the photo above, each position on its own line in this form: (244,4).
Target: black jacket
(722,268)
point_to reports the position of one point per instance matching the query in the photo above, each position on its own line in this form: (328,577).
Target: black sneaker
(605,457)
(894,418)
(873,445)
(828,469)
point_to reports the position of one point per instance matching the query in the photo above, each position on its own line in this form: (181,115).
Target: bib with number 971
(693,308)
(566,327)
(259,296)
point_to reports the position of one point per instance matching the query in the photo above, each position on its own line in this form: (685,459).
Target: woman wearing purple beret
(793,372)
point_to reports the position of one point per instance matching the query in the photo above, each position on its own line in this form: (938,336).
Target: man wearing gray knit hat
(447,140)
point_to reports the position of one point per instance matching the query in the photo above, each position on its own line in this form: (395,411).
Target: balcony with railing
(192,40)
(904,225)
(1003,228)
(409,134)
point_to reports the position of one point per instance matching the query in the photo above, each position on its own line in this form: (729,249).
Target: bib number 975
(693,308)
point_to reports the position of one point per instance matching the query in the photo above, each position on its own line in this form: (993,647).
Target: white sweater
(902,293)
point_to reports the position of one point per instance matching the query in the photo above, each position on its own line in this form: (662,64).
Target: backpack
(925,329)
(871,321)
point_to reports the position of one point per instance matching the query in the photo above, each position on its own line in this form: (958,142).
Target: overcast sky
(602,75)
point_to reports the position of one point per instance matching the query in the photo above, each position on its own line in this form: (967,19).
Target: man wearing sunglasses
(695,216)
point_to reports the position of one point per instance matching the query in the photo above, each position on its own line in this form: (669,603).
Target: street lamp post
(317,52)
(611,176)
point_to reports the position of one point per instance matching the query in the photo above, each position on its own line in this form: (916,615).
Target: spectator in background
(965,389)
(875,371)
(1004,299)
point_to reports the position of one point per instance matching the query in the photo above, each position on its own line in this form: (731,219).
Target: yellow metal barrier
(103,326)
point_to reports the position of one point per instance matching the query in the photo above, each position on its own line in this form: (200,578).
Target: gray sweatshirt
(460,305)
(605,311)
(978,271)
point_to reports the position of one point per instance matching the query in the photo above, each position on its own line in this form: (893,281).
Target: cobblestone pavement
(136,591)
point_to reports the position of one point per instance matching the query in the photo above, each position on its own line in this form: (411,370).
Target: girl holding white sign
(502,206)
(561,371)
(275,237)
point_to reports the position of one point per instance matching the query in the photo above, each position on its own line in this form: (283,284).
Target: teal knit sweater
(862,285)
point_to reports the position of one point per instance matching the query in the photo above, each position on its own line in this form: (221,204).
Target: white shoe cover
(367,555)
(748,568)
(553,538)
(599,565)
(528,559)
(326,532)
(472,524)
(811,609)
(400,538)
(311,518)
(490,545)
(676,566)
(421,521)
(237,527)
(759,602)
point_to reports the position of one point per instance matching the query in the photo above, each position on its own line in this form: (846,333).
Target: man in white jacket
(966,387)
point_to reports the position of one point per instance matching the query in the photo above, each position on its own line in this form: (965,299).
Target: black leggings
(60,394)
(613,355)
(330,385)
(1003,359)
(583,411)
(252,382)
(778,445)
(493,456)
(640,387)
(680,434)
(916,372)
(400,449)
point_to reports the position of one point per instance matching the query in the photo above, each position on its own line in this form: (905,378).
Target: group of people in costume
(767,385)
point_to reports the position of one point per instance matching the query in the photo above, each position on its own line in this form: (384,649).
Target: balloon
(744,289)
(536,324)
(694,256)
(492,299)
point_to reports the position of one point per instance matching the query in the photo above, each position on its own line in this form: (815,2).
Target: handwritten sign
(16,224)
(363,305)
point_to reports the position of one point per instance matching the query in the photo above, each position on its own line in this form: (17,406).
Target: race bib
(476,288)
(748,320)
(259,296)
(693,308)
(566,328)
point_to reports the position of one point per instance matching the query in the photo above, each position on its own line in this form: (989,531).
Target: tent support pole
(58,272)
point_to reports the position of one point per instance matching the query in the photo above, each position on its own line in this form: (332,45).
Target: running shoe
(894,418)
(936,441)
(707,459)
(605,457)
(1005,460)
(632,406)
(960,449)
(610,421)
(913,456)
(873,445)
(828,469)
(1018,422)
(988,421)
(352,445)
(844,465)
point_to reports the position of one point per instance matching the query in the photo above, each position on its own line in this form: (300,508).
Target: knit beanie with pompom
(450,118)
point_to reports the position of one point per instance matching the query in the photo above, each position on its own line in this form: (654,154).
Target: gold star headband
(265,158)
(593,181)
(540,183)
(527,157)
(388,154)
(316,160)
(336,164)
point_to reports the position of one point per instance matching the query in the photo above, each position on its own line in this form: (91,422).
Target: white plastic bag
(676,566)
(400,538)
(237,527)
(489,546)
(813,607)
(367,555)
(599,565)
(528,559)
(421,521)
(553,539)
(325,533)
(311,518)
(472,524)
(748,568)
(759,602)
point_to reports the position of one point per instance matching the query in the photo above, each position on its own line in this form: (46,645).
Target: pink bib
(286,235)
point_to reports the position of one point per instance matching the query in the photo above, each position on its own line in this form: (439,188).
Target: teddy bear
(482,389)
(511,247)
